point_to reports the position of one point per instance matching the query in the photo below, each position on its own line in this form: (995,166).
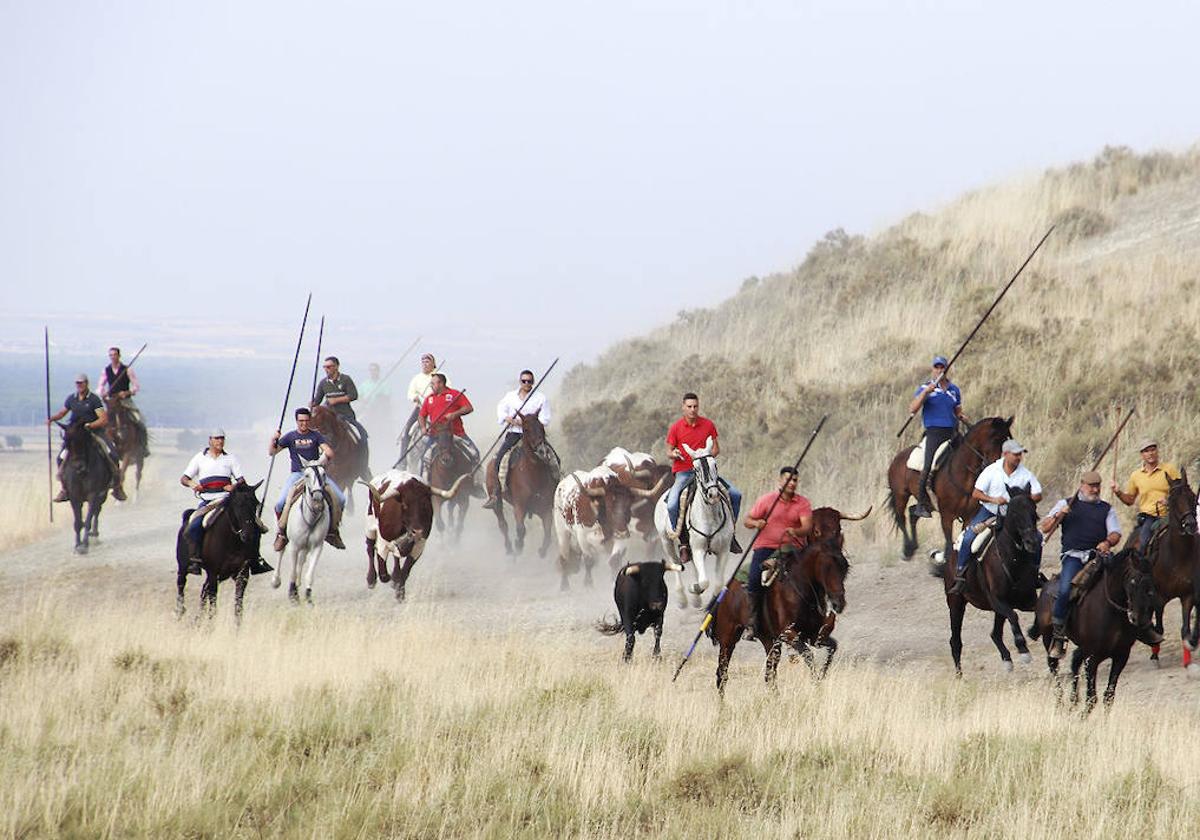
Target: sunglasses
(526,381)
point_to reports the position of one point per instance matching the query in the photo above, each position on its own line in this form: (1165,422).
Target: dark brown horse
(1103,623)
(532,478)
(448,463)
(1172,556)
(1002,581)
(350,455)
(799,609)
(87,475)
(230,543)
(951,485)
(129,438)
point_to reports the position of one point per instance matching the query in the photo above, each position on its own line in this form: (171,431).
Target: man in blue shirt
(940,402)
(307,443)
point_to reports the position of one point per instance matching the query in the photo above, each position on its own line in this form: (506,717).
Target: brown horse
(447,464)
(951,485)
(350,455)
(1104,622)
(798,609)
(226,550)
(130,439)
(1172,556)
(1003,581)
(532,479)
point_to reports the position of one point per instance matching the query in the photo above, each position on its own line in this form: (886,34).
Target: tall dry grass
(124,723)
(1104,316)
(23,514)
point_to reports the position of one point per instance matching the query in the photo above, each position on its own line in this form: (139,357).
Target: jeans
(195,529)
(754,582)
(511,439)
(330,485)
(1070,567)
(1145,524)
(964,550)
(681,480)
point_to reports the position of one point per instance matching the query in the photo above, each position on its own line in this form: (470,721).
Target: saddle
(545,452)
(1156,533)
(770,567)
(464,445)
(916,458)
(1085,578)
(981,539)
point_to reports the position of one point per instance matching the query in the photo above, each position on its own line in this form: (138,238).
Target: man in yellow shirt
(1148,486)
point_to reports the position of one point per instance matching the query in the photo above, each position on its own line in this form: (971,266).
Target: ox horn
(448,494)
(633,569)
(376,502)
(856,518)
(653,492)
(672,567)
(642,474)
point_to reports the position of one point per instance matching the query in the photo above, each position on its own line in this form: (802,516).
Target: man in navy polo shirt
(940,402)
(307,443)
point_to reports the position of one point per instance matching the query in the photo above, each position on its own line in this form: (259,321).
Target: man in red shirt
(445,407)
(693,430)
(790,523)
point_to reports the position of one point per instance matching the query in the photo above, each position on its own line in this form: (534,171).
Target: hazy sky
(524,179)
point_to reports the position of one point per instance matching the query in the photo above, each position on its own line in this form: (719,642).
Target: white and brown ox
(640,470)
(591,520)
(399,520)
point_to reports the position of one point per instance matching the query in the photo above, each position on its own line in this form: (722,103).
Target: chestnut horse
(1104,622)
(799,609)
(130,439)
(1172,557)
(448,463)
(228,546)
(951,485)
(1002,581)
(350,456)
(532,480)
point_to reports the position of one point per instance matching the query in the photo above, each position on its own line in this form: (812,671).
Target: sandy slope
(896,612)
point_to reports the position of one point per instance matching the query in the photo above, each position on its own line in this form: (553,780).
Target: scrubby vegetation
(1106,315)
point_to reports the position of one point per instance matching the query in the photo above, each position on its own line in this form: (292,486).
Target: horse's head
(76,439)
(314,483)
(830,570)
(443,441)
(1140,595)
(705,466)
(533,431)
(242,505)
(1181,505)
(989,434)
(1020,522)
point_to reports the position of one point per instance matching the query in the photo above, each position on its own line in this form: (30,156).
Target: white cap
(217,432)
(1011,445)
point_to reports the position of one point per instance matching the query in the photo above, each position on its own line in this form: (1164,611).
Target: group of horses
(1125,604)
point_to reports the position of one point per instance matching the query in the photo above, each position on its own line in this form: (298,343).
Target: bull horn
(856,518)
(672,567)
(376,502)
(633,569)
(654,491)
(448,494)
(642,474)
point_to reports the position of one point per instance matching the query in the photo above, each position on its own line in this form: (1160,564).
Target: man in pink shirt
(789,525)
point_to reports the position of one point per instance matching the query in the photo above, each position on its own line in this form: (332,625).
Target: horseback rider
(1089,524)
(789,524)
(940,402)
(1149,486)
(991,488)
(337,391)
(419,388)
(211,474)
(509,412)
(119,383)
(445,408)
(309,444)
(693,430)
(87,408)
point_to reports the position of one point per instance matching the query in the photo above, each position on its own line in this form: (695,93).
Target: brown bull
(639,470)
(399,520)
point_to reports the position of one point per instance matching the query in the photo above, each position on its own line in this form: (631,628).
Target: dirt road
(896,612)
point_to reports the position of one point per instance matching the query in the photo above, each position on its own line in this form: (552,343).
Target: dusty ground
(896,612)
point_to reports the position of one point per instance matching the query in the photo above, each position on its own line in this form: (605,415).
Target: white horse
(308,523)
(710,526)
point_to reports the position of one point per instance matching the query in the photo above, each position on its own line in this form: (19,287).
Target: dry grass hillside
(1104,315)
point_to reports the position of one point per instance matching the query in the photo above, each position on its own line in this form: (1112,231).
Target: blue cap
(939,360)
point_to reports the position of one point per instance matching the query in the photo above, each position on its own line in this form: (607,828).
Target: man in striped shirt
(211,474)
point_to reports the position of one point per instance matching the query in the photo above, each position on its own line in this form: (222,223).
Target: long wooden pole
(286,398)
(986,315)
(503,432)
(1112,443)
(710,612)
(49,444)
(317,363)
(1116,453)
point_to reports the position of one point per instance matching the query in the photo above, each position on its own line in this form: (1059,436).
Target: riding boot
(259,566)
(924,506)
(335,519)
(193,554)
(1058,647)
(960,582)
(117,490)
(755,607)
(493,498)
(62,493)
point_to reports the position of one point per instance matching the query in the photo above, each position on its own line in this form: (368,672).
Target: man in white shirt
(419,387)
(509,413)
(210,474)
(991,488)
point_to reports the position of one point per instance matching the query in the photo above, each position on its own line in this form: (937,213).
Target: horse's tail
(897,516)
(610,628)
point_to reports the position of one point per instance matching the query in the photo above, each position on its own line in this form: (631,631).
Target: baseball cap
(939,360)
(1146,444)
(217,432)
(1011,445)
(1090,477)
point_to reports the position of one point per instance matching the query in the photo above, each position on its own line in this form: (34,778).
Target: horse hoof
(385,578)
(1025,658)
(1008,666)
(275,583)
(370,584)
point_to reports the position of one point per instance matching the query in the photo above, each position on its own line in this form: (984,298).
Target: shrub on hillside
(1081,223)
